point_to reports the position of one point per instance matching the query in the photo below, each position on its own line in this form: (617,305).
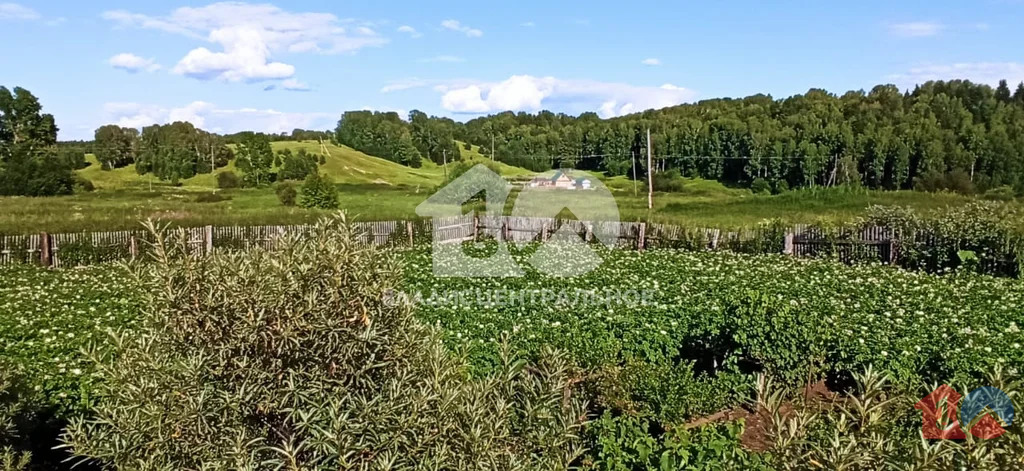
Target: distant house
(561,180)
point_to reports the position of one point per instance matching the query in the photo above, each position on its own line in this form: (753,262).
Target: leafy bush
(627,443)
(82,184)
(11,458)
(319,192)
(212,197)
(957,181)
(931,241)
(760,186)
(296,166)
(286,193)
(228,179)
(1001,193)
(294,359)
(781,186)
(467,146)
(669,181)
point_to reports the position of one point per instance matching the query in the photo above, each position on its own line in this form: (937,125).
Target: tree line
(30,161)
(941,135)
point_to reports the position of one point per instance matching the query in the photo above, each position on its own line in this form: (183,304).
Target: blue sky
(276,66)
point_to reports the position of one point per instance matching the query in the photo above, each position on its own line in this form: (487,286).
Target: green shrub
(228,179)
(296,166)
(294,359)
(1001,193)
(212,197)
(781,186)
(467,146)
(286,193)
(669,181)
(82,184)
(760,186)
(319,192)
(11,406)
(629,442)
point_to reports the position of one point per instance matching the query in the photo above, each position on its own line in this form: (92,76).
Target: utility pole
(632,156)
(444,157)
(492,144)
(212,166)
(650,173)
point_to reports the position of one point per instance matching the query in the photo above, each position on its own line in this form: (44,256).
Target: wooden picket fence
(868,243)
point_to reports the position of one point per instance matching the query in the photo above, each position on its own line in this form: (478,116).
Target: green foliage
(882,138)
(176,151)
(318,192)
(932,240)
(383,135)
(115,146)
(669,181)
(760,186)
(286,193)
(957,181)
(711,319)
(781,186)
(30,163)
(228,179)
(83,252)
(293,359)
(296,166)
(255,160)
(82,184)
(1001,193)
(875,426)
(626,443)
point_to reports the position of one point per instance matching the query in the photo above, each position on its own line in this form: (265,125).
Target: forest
(954,135)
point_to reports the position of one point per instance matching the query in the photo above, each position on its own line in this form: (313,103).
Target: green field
(374,188)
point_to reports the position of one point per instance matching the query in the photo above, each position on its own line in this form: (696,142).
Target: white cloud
(14,11)
(133,63)
(916,29)
(442,58)
(212,118)
(651,61)
(295,85)
(528,24)
(980,72)
(410,31)
(404,84)
(249,36)
(456,25)
(56,21)
(529,93)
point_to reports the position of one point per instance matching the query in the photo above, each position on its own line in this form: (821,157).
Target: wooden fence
(870,243)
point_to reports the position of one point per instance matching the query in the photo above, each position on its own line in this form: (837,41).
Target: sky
(273,67)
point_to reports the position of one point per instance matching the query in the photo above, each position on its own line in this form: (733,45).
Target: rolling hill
(343,164)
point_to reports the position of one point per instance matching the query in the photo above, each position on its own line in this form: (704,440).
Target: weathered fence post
(208,236)
(476,227)
(787,245)
(408,230)
(590,232)
(640,236)
(543,231)
(45,250)
(133,247)
(714,238)
(504,228)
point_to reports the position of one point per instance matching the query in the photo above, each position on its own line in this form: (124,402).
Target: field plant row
(300,358)
(711,320)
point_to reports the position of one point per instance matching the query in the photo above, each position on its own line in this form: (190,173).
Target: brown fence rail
(850,244)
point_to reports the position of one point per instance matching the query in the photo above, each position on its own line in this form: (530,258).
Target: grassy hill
(344,165)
